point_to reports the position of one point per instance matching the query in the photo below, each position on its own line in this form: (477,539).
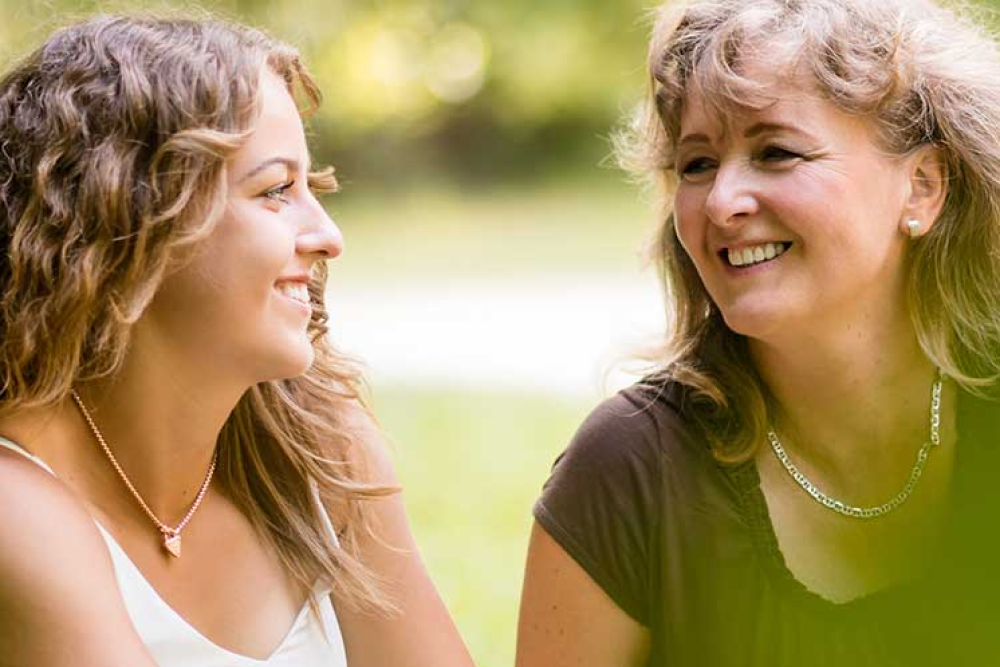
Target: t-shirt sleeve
(601,501)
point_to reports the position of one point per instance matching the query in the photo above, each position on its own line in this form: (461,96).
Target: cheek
(199,292)
(689,222)
(251,249)
(233,273)
(836,204)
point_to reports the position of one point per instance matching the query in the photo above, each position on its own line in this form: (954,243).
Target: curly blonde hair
(114,136)
(923,75)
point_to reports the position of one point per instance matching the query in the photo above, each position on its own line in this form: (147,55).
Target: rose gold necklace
(171,536)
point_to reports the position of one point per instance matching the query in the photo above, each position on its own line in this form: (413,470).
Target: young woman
(187,474)
(809,476)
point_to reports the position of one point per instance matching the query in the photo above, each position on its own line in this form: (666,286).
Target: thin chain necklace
(171,536)
(879,510)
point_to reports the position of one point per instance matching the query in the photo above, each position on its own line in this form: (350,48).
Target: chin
(752,323)
(301,364)
(294,362)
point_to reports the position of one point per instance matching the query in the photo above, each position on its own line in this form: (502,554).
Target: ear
(928,181)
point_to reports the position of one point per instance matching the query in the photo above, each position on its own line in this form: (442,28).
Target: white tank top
(173,642)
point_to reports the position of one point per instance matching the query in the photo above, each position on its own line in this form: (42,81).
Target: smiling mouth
(748,256)
(294,291)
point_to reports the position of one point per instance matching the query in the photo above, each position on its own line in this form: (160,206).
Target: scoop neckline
(765,540)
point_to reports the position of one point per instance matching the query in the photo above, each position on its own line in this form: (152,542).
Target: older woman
(808,477)
(187,476)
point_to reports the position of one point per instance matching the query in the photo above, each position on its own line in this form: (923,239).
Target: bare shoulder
(56,576)
(420,632)
(38,513)
(371,448)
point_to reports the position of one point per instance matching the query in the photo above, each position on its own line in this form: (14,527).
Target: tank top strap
(324,515)
(14,447)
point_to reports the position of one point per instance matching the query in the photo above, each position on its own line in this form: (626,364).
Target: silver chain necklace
(879,510)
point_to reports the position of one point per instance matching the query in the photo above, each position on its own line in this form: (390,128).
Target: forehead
(277,129)
(780,96)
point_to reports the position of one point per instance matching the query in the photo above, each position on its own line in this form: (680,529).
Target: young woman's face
(241,305)
(791,215)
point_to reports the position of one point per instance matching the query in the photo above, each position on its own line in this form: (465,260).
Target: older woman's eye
(777,154)
(697,166)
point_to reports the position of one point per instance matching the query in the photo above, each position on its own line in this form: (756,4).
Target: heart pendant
(172,543)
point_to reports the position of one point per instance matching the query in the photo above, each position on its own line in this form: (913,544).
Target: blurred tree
(474,89)
(469,87)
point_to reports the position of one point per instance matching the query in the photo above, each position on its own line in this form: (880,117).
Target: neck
(852,399)
(161,419)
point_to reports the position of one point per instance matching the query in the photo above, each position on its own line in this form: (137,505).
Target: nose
(731,199)
(319,235)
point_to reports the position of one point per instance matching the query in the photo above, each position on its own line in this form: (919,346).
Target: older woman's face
(791,215)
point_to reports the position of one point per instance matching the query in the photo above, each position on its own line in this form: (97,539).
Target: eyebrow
(754,130)
(762,128)
(696,138)
(291,163)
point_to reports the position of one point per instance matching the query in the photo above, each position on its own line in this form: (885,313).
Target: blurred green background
(492,267)
(468,89)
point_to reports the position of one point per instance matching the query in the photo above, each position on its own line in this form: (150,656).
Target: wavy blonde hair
(114,137)
(924,75)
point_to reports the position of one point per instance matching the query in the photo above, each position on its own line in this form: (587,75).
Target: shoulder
(47,541)
(368,453)
(633,451)
(604,501)
(368,469)
(979,409)
(642,425)
(620,458)
(41,523)
(27,490)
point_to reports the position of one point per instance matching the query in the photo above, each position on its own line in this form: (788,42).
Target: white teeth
(296,291)
(756,254)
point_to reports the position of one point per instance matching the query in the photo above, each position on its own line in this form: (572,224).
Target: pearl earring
(913,226)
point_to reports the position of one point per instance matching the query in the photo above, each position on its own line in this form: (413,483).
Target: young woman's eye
(278,193)
(777,154)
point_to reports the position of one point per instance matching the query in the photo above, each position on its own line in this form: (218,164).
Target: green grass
(472,464)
